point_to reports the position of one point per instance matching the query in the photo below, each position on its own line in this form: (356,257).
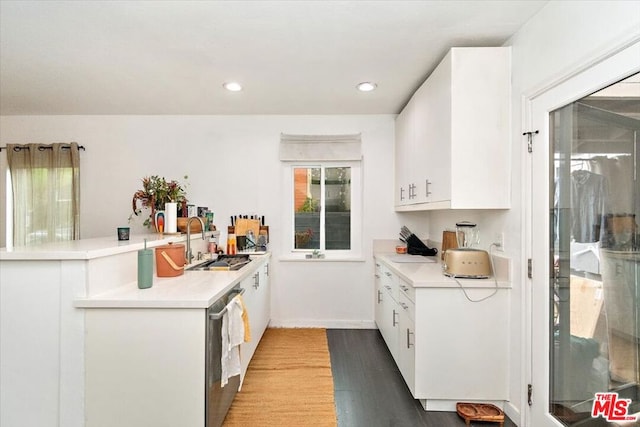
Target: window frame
(288,243)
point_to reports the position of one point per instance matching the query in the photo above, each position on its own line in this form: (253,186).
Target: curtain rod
(80,147)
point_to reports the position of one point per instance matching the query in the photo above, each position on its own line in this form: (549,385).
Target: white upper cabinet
(452,138)
(404,146)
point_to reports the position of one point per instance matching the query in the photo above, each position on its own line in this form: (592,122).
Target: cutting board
(411,258)
(243,225)
(449,241)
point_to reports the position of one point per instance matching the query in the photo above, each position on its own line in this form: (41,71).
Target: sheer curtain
(45,182)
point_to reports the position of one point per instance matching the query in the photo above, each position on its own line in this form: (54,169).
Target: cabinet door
(252,305)
(480,110)
(406,341)
(379,293)
(421,158)
(388,312)
(261,318)
(404,132)
(433,135)
(265,298)
(257,302)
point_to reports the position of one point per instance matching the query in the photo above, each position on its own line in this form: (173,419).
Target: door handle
(394,317)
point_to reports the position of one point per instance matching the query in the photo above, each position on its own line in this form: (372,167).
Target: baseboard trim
(328,324)
(512,412)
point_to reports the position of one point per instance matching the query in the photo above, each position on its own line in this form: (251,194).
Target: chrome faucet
(188,254)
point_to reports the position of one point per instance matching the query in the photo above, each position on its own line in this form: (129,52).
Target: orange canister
(170,260)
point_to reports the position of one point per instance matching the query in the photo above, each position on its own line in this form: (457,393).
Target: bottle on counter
(145,267)
(213,245)
(231,244)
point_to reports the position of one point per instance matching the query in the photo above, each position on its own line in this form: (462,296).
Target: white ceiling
(293,57)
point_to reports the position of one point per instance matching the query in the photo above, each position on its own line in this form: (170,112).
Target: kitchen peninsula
(45,294)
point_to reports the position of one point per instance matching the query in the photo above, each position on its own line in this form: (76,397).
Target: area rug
(288,382)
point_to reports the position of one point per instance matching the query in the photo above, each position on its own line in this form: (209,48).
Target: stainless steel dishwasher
(218,399)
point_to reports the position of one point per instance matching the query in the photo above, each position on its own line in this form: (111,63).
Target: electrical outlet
(498,240)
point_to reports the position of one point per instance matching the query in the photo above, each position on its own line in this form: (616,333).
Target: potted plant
(155,193)
(303,238)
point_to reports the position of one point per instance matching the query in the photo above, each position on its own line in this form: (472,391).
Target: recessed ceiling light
(232,86)
(366,86)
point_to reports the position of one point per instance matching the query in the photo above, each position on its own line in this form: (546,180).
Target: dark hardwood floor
(369,389)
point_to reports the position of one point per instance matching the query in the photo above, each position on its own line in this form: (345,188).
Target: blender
(467,234)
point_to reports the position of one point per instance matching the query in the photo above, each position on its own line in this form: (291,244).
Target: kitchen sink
(223,263)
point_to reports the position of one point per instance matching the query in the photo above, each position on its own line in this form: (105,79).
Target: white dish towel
(232,337)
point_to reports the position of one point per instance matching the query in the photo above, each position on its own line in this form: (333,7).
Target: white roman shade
(295,148)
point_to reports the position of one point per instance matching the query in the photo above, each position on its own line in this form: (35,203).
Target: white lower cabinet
(258,303)
(146,366)
(447,348)
(387,310)
(407,340)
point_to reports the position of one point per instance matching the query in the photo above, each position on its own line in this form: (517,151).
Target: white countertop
(193,289)
(91,248)
(430,275)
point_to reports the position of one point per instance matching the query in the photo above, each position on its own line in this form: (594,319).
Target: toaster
(467,263)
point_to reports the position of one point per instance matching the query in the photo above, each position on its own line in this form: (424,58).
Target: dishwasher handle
(218,315)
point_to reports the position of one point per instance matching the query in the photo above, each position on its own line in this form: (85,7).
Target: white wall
(563,38)
(233,167)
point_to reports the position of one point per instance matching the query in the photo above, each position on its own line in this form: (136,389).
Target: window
(323,185)
(322,207)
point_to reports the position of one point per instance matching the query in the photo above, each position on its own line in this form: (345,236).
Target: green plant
(309,205)
(155,193)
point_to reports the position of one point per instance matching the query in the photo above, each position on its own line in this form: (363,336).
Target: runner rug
(288,382)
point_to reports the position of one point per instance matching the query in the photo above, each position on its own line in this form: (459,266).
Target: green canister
(145,267)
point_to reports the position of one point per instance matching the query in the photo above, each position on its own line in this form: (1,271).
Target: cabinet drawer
(389,282)
(406,306)
(378,269)
(406,289)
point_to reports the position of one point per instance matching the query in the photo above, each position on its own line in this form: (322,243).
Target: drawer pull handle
(409,333)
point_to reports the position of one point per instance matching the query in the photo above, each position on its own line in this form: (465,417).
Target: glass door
(586,294)
(595,250)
